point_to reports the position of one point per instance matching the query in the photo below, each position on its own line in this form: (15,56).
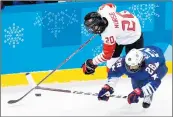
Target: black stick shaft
(77,92)
(14,101)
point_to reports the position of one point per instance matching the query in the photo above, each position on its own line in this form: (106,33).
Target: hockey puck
(38,94)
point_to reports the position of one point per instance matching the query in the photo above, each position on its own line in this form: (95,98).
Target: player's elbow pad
(108,51)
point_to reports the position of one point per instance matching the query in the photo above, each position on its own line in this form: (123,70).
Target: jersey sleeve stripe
(99,59)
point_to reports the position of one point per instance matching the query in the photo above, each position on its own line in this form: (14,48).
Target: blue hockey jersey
(154,68)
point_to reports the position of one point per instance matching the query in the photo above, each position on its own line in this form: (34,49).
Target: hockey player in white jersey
(117,30)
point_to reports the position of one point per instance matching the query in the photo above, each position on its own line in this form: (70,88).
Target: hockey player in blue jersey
(146,67)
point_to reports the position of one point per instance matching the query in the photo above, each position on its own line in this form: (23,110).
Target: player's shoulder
(152,47)
(152,61)
(107,6)
(119,65)
(117,68)
(106,9)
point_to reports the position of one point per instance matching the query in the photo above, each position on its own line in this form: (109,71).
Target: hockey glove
(105,93)
(134,95)
(88,67)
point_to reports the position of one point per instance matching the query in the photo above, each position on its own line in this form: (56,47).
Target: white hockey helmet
(133,60)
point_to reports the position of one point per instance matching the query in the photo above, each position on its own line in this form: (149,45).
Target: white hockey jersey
(123,28)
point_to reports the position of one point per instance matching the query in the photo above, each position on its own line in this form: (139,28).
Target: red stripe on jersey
(107,53)
(108,4)
(100,59)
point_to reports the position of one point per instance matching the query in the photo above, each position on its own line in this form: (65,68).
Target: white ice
(65,104)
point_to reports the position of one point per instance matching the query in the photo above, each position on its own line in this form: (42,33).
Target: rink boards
(50,47)
(61,76)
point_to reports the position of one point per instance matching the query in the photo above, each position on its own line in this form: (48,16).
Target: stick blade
(12,101)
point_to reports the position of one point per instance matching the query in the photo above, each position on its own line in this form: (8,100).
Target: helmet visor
(92,27)
(133,69)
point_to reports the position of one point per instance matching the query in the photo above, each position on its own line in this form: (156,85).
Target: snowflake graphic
(13,35)
(39,20)
(96,51)
(144,12)
(84,31)
(55,22)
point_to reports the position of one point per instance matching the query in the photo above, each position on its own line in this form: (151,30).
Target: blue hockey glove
(134,95)
(105,93)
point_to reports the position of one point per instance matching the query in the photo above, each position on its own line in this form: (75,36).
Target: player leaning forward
(117,30)
(145,67)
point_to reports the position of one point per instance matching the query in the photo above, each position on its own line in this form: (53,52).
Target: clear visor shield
(133,68)
(92,27)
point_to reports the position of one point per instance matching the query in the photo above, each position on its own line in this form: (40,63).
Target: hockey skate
(147,101)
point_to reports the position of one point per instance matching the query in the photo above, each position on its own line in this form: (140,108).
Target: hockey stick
(14,101)
(77,92)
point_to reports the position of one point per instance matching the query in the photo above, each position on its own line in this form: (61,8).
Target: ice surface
(64,104)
